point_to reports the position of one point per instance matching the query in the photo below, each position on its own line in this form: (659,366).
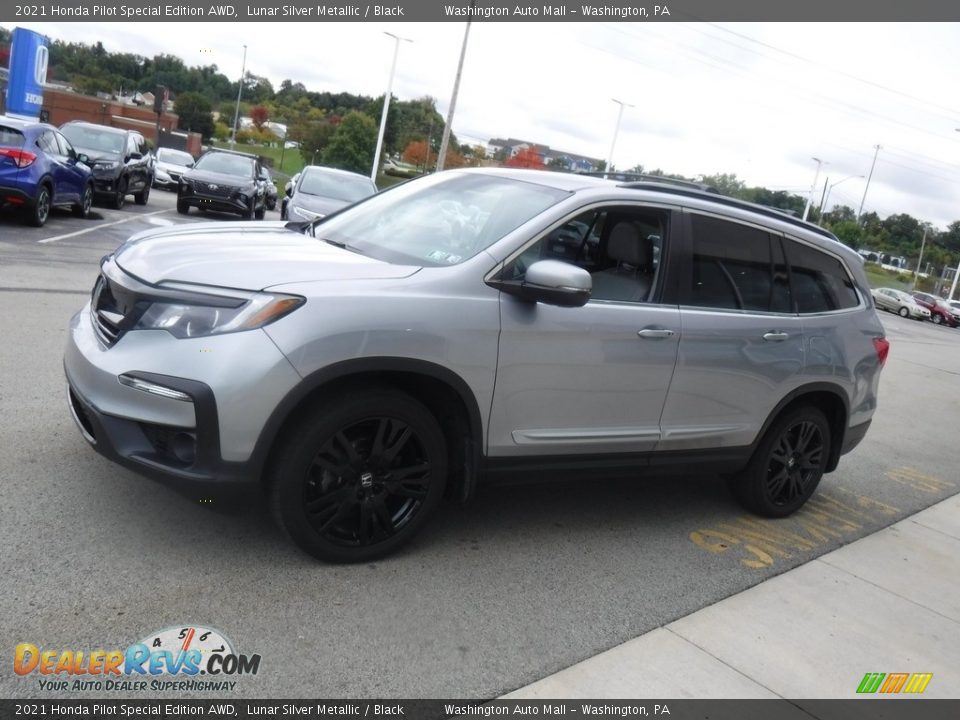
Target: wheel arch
(443,392)
(829,399)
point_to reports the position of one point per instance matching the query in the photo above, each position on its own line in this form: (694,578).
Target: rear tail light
(882,346)
(21,158)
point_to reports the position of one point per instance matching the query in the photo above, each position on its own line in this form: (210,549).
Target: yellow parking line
(101,225)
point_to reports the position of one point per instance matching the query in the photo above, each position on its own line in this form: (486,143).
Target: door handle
(775,336)
(655,333)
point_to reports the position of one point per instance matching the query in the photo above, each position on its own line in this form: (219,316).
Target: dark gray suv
(475,324)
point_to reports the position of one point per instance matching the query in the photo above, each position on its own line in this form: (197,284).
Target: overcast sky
(758,100)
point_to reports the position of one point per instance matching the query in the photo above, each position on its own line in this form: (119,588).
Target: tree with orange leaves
(526,158)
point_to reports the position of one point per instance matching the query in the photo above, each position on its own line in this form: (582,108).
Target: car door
(588,380)
(741,349)
(59,170)
(75,175)
(134,162)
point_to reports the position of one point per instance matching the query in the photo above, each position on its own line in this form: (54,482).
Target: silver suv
(474,324)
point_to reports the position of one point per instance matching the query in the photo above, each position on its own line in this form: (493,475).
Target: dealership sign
(29,57)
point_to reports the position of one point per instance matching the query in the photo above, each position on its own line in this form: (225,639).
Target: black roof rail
(776,213)
(641,177)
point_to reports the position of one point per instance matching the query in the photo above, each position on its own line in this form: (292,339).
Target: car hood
(218,178)
(317,203)
(168,167)
(245,255)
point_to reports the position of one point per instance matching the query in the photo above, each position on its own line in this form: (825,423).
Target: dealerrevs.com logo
(171,659)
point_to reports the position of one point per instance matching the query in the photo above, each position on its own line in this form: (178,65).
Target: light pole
(236,114)
(923,244)
(386,104)
(816,176)
(616,131)
(826,197)
(442,158)
(876,151)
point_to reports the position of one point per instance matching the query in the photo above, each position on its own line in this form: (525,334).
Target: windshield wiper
(343,245)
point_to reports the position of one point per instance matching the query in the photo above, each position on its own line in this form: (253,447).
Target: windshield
(438,220)
(95,139)
(226,164)
(338,186)
(174,157)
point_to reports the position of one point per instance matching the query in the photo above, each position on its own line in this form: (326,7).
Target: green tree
(195,113)
(727,183)
(352,144)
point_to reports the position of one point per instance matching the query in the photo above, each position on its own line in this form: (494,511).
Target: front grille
(114,309)
(213,189)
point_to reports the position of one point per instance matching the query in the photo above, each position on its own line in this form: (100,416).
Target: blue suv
(39,169)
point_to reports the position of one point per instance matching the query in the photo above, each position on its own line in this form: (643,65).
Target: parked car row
(919,306)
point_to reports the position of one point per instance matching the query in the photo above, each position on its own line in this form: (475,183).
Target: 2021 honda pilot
(471,323)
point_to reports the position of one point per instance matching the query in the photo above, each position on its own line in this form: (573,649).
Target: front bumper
(232,381)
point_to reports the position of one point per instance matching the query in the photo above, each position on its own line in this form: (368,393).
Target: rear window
(820,281)
(10,136)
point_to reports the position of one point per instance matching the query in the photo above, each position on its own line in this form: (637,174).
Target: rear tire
(39,210)
(359,476)
(787,465)
(937,319)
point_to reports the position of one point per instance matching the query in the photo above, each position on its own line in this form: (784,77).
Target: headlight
(106,165)
(194,319)
(161,174)
(304,214)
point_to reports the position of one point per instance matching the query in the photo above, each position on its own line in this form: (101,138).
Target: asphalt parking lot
(528,580)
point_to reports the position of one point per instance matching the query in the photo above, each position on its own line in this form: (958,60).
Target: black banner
(865,709)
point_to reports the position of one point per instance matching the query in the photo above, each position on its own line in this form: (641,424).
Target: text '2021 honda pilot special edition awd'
(471,323)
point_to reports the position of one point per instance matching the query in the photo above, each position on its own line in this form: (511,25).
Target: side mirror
(289,190)
(135,156)
(551,282)
(190,164)
(84,158)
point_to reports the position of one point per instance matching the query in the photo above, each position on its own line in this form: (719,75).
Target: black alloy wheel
(361,476)
(787,465)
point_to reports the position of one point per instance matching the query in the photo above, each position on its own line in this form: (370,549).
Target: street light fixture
(386,104)
(616,131)
(236,114)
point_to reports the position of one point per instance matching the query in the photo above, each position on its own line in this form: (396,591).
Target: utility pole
(816,176)
(236,114)
(923,244)
(823,198)
(876,151)
(953,286)
(442,158)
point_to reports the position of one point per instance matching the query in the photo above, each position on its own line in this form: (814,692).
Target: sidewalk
(887,603)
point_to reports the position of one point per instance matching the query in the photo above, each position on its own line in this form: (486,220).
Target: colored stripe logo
(891,683)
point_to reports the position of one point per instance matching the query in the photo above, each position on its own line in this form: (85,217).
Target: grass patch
(878,277)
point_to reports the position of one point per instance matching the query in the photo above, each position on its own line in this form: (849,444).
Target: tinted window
(48,143)
(227,164)
(820,281)
(733,267)
(10,136)
(65,147)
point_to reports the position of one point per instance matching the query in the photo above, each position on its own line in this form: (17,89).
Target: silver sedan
(899,302)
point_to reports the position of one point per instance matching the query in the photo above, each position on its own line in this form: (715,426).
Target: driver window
(620,247)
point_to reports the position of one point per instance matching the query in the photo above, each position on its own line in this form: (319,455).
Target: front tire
(120,196)
(903,312)
(787,465)
(183,207)
(82,209)
(360,476)
(141,197)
